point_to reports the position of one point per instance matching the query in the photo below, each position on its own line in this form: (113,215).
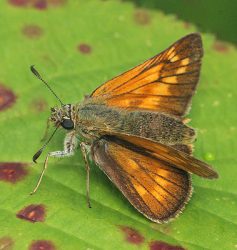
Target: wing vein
(167,209)
(147,172)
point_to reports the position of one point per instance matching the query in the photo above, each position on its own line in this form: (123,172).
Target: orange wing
(153,186)
(164,83)
(180,158)
(153,177)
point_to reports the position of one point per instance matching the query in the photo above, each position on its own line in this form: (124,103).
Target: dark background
(213,16)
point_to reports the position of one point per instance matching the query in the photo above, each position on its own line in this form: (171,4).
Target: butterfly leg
(70,144)
(84,150)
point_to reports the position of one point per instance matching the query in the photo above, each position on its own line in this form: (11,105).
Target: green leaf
(77,45)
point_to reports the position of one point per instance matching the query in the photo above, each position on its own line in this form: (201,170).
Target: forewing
(164,83)
(180,158)
(154,187)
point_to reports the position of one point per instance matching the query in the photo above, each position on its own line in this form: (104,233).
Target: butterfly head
(63,116)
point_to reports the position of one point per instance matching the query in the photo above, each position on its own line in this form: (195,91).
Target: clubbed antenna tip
(37,74)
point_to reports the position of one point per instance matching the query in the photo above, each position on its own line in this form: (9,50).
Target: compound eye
(67,124)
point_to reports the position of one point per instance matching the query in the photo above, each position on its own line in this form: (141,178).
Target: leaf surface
(77,45)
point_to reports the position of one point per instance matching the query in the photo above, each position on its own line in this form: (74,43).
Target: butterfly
(135,130)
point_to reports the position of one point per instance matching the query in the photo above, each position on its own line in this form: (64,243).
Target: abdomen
(160,127)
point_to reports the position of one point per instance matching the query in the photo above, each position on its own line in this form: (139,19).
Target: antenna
(36,73)
(39,152)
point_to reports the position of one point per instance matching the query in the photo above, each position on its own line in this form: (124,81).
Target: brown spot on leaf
(160,245)
(12,171)
(40,4)
(6,243)
(19,3)
(7,97)
(42,245)
(132,236)
(84,48)
(142,17)
(37,4)
(39,105)
(187,25)
(32,213)
(32,31)
(220,47)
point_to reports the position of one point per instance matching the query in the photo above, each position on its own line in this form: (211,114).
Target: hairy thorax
(95,120)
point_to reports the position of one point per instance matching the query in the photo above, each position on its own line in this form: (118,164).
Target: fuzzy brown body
(95,120)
